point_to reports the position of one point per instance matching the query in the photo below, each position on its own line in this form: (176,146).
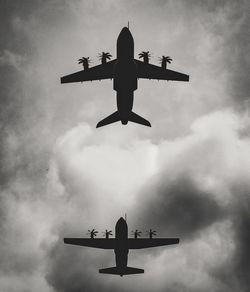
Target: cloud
(179,208)
(61,176)
(178,195)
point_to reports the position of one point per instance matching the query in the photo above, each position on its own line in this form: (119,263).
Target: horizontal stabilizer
(115,117)
(121,271)
(138,119)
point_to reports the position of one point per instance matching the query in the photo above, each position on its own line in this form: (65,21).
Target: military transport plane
(121,245)
(125,71)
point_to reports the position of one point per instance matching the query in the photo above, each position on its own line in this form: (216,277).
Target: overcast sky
(187,176)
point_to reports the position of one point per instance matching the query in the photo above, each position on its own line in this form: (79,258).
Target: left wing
(150,71)
(148,242)
(103,71)
(103,243)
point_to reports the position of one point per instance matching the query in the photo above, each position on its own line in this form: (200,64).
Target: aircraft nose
(125,32)
(125,29)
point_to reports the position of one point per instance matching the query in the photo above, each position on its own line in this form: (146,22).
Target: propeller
(164,60)
(92,233)
(145,56)
(151,232)
(107,233)
(85,62)
(136,233)
(104,57)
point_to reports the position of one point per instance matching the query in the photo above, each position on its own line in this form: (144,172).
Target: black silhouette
(145,56)
(104,57)
(85,62)
(151,233)
(92,233)
(164,60)
(136,233)
(125,71)
(107,233)
(121,245)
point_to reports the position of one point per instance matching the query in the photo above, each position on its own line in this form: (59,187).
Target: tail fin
(115,117)
(121,271)
(138,119)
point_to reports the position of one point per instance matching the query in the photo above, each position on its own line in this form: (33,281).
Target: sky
(186,177)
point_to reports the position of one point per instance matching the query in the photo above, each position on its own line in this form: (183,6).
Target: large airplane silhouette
(121,245)
(125,71)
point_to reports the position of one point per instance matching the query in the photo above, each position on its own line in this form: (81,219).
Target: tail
(115,117)
(121,271)
(138,119)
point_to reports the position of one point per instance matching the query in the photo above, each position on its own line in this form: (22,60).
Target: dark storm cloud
(241,259)
(179,208)
(235,273)
(242,237)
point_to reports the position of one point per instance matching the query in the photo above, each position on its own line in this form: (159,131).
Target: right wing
(150,71)
(103,71)
(150,242)
(103,243)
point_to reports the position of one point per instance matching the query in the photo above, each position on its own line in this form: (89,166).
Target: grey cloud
(179,207)
(34,113)
(235,273)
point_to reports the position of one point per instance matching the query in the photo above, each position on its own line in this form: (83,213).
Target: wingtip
(99,125)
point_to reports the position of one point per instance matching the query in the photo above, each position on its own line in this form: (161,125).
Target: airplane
(121,245)
(125,72)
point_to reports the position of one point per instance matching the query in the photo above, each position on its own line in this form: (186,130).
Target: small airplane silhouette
(121,245)
(125,71)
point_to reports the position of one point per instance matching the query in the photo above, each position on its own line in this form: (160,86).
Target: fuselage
(121,250)
(125,74)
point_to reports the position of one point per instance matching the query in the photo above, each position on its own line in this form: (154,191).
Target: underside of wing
(150,71)
(150,242)
(103,243)
(99,72)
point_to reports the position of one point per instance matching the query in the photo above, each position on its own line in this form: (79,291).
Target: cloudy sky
(187,176)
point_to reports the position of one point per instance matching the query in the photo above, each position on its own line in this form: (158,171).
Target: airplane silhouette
(121,245)
(125,71)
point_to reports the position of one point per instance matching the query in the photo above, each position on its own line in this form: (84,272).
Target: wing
(103,71)
(150,71)
(148,242)
(97,242)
